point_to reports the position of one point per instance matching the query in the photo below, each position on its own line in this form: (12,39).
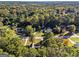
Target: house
(27,41)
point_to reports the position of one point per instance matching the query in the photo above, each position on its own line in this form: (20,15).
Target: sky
(39,0)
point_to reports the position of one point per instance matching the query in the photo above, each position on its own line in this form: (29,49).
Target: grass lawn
(75,39)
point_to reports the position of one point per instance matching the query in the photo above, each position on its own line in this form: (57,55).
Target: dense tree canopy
(48,22)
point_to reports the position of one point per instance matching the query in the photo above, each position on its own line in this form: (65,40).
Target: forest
(39,29)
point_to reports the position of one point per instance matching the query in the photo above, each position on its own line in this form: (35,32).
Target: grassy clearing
(76,39)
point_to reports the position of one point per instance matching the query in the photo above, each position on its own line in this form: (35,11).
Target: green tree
(1,51)
(33,52)
(72,28)
(43,51)
(29,30)
(1,24)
